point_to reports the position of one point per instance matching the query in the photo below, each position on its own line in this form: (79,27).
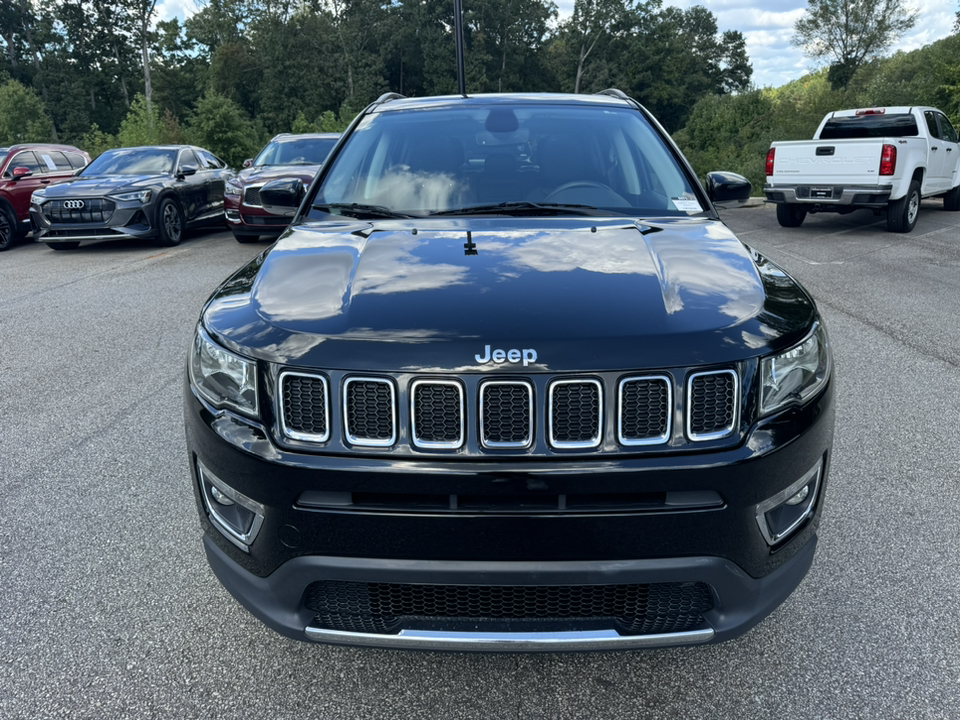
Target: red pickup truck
(25,168)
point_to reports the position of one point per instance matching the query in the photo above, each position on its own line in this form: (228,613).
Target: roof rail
(387,97)
(613,92)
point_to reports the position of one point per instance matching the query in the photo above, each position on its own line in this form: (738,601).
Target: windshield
(436,160)
(301,151)
(133,161)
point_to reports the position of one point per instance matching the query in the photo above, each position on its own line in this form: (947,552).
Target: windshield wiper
(358,210)
(522,207)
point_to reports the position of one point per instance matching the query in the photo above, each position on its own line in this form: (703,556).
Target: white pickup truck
(879,158)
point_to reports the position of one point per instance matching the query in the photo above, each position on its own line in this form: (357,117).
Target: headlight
(795,375)
(221,377)
(37,198)
(231,188)
(143,196)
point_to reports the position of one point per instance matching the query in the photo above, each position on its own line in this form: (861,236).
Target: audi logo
(73,204)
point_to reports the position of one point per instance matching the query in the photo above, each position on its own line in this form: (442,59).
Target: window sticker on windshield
(686,204)
(49,161)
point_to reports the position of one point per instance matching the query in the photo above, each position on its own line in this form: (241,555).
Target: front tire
(790,215)
(951,201)
(902,214)
(8,228)
(170,220)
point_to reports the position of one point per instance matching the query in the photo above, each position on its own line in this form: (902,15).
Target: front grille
(478,415)
(251,196)
(94,210)
(576,413)
(436,412)
(645,409)
(370,412)
(506,414)
(712,408)
(385,608)
(306,408)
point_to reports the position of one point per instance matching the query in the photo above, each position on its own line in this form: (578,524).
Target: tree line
(92,72)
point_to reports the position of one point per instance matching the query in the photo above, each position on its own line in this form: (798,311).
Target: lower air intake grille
(713,404)
(645,405)
(506,414)
(370,412)
(305,407)
(251,196)
(437,412)
(385,608)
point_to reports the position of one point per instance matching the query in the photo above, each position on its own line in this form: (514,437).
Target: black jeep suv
(509,383)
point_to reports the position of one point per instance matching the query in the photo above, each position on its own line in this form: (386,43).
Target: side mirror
(248,162)
(727,189)
(282,197)
(186,170)
(22,172)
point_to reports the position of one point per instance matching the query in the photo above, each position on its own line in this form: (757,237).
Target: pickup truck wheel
(951,201)
(790,215)
(902,213)
(8,228)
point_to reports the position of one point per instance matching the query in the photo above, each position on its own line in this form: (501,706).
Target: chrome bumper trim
(86,238)
(509,642)
(846,198)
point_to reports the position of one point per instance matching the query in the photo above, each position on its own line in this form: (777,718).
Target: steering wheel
(587,185)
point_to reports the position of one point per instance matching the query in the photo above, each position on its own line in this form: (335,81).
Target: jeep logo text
(527,355)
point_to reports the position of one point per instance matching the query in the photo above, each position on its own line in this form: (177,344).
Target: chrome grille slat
(437,414)
(369,412)
(646,404)
(506,414)
(711,404)
(576,413)
(305,405)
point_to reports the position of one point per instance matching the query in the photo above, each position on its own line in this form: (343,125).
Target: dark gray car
(142,192)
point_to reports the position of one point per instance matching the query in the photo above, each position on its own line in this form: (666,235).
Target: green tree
(221,126)
(846,33)
(141,126)
(96,142)
(23,116)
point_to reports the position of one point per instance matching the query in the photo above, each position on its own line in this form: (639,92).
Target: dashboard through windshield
(421,162)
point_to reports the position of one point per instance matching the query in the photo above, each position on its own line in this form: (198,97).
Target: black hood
(581,294)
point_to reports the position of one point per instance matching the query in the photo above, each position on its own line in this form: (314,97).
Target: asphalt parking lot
(109,610)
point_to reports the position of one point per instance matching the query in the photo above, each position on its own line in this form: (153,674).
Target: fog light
(800,496)
(220,497)
(236,516)
(780,515)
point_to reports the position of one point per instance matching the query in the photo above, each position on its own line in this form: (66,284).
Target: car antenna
(458,31)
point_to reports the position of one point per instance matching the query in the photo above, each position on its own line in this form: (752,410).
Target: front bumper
(719,544)
(850,196)
(128,220)
(277,600)
(245,219)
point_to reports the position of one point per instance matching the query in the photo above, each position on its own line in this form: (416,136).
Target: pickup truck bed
(886,159)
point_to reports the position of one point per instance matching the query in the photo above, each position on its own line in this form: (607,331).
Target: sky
(766,26)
